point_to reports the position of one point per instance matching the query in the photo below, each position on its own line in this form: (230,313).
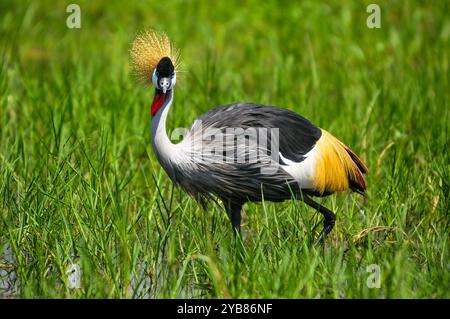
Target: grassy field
(80,185)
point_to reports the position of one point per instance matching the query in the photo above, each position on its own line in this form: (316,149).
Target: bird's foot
(323,234)
(327,227)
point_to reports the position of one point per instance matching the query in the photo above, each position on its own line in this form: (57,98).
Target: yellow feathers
(147,50)
(335,168)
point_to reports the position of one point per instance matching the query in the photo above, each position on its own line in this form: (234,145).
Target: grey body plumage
(242,182)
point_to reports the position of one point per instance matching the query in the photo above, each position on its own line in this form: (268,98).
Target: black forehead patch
(165,67)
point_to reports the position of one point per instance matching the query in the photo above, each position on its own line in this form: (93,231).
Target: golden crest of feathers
(147,50)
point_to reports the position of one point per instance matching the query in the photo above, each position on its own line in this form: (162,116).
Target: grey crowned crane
(243,152)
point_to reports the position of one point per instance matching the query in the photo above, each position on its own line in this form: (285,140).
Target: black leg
(329,217)
(234,211)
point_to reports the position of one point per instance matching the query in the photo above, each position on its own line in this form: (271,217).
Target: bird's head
(155,61)
(164,76)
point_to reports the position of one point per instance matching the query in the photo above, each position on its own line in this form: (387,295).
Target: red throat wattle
(158,101)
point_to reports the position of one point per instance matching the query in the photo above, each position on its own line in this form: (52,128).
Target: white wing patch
(303,172)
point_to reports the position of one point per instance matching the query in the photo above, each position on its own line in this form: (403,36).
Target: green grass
(79,182)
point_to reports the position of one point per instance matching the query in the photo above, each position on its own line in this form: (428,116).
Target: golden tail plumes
(337,167)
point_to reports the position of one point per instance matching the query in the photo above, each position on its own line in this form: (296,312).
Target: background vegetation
(79,183)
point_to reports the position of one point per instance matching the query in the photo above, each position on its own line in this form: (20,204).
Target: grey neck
(162,145)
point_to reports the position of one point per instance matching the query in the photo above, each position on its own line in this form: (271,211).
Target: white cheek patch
(155,79)
(174,80)
(304,171)
(164,82)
